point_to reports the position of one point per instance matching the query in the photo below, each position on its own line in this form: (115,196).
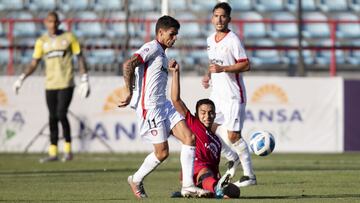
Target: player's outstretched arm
(28,71)
(128,74)
(175,88)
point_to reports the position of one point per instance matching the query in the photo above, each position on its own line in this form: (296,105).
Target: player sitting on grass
(208,145)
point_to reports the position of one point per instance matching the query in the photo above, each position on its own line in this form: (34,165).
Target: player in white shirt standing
(146,76)
(227,61)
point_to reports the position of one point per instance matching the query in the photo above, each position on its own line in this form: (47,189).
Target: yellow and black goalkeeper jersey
(57,52)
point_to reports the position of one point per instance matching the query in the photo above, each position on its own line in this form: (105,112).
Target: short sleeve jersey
(57,52)
(153,75)
(227,51)
(208,145)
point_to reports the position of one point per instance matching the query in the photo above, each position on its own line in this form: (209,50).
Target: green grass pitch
(102,178)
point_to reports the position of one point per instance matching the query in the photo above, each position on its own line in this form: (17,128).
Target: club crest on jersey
(164,69)
(154,132)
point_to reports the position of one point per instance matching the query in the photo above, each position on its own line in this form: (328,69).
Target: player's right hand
(173,65)
(18,83)
(125,97)
(206,81)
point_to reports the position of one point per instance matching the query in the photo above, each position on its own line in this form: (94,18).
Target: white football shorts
(229,113)
(158,122)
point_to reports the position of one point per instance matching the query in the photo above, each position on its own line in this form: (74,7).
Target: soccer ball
(262,143)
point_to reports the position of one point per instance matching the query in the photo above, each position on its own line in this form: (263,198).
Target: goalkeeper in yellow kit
(57,47)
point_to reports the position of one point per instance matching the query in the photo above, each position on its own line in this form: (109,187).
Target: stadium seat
(11,5)
(292,55)
(333,5)
(2,31)
(253,29)
(203,6)
(71,5)
(323,57)
(307,5)
(108,5)
(315,30)
(118,29)
(354,55)
(36,5)
(262,57)
(98,54)
(4,53)
(347,30)
(178,5)
(354,5)
(87,29)
(280,30)
(143,5)
(24,55)
(23,29)
(266,5)
(189,27)
(151,16)
(243,5)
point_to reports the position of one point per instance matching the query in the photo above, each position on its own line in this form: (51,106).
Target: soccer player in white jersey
(145,75)
(227,61)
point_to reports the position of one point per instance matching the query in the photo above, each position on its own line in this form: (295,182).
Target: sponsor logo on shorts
(154,132)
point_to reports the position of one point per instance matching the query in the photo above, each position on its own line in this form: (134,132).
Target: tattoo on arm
(128,70)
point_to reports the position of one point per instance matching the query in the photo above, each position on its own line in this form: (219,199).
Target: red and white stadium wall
(304,114)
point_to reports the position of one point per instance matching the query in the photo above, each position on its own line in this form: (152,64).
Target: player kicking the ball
(145,75)
(208,145)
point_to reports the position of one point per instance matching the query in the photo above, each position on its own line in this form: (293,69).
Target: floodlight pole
(301,67)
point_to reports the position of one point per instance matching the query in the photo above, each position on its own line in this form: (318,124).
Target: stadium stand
(253,29)
(355,5)
(347,30)
(4,53)
(8,5)
(283,30)
(307,5)
(42,5)
(23,29)
(266,5)
(144,5)
(323,57)
(118,28)
(313,29)
(108,5)
(292,56)
(261,57)
(244,5)
(71,5)
(255,21)
(333,5)
(353,57)
(87,29)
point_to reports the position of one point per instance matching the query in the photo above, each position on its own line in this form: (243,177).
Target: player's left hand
(214,68)
(84,87)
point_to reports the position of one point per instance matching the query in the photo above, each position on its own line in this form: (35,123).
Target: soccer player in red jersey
(208,145)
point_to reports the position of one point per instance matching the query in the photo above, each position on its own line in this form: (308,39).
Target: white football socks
(242,150)
(149,164)
(187,156)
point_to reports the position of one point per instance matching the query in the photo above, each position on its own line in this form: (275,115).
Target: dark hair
(232,191)
(225,6)
(203,101)
(166,22)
